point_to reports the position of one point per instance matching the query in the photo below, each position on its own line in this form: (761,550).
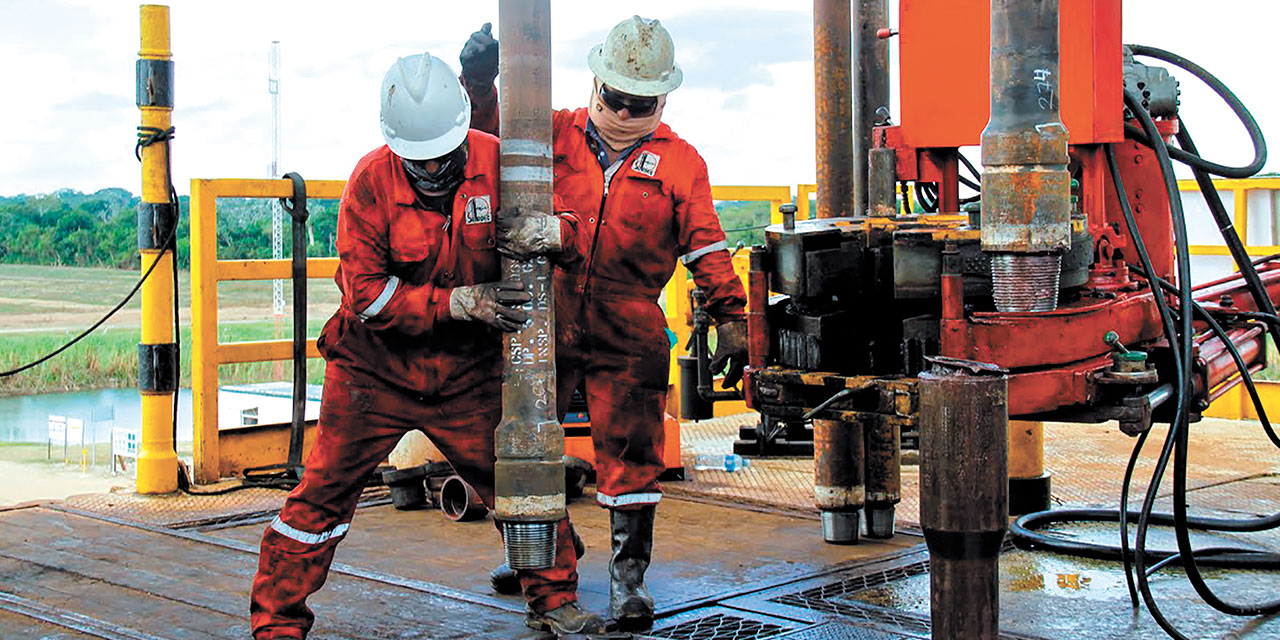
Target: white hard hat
(638,58)
(425,111)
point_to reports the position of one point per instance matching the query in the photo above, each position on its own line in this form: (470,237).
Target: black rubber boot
(630,604)
(568,620)
(504,580)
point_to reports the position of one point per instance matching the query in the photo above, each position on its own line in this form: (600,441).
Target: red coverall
(620,249)
(397,361)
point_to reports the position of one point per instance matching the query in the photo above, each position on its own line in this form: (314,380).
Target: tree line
(70,228)
(99,229)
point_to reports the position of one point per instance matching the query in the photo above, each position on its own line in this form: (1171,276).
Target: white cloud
(747,103)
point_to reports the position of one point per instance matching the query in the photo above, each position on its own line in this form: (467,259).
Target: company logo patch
(647,163)
(478,210)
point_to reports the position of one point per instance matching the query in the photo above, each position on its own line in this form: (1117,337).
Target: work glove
(496,304)
(525,233)
(479,57)
(731,349)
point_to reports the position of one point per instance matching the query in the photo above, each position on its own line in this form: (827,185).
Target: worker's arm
(479,60)
(704,250)
(381,300)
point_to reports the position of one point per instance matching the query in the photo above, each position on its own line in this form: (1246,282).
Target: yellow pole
(157,460)
(1028,482)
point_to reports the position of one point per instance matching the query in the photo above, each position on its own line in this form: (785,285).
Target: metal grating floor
(1087,463)
(720,626)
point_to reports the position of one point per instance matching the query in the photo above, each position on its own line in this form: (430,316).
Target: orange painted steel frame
(945,54)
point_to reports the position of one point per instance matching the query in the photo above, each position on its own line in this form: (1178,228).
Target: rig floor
(737,557)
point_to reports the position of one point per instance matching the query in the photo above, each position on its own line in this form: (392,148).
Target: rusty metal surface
(870,92)
(529,475)
(833,101)
(1026,189)
(171,586)
(838,459)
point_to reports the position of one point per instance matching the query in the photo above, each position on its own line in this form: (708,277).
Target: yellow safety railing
(207,354)
(1240,200)
(1236,403)
(676,296)
(207,271)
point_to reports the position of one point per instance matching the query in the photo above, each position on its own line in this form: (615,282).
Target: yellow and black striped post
(157,221)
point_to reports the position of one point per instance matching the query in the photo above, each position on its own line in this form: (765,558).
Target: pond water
(26,418)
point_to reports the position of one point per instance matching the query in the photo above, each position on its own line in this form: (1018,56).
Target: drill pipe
(529,474)
(964,500)
(833,103)
(870,91)
(837,478)
(884,476)
(1026,190)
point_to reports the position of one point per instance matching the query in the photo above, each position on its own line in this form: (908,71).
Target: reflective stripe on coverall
(620,251)
(397,361)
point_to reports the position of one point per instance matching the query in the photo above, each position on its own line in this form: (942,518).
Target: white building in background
(249,405)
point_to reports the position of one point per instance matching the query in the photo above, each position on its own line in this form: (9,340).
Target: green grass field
(41,308)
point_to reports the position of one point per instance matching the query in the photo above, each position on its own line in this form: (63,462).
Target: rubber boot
(504,580)
(630,604)
(569,619)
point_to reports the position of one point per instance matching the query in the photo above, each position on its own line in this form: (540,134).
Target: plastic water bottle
(729,462)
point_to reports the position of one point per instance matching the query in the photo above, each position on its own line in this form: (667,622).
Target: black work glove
(479,57)
(525,233)
(496,304)
(731,349)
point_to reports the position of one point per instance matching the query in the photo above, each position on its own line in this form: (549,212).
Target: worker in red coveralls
(638,199)
(415,344)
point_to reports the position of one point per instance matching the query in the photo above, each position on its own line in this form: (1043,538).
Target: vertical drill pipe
(837,478)
(964,497)
(529,474)
(833,103)
(757,306)
(883,476)
(157,366)
(870,89)
(1026,205)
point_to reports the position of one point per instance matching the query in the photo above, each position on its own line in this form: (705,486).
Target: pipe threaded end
(1023,282)
(530,545)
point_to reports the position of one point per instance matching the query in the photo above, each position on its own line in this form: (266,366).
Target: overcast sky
(68,116)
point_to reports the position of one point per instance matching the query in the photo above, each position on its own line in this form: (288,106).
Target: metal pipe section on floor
(1026,190)
(883,476)
(964,501)
(838,491)
(833,105)
(157,224)
(529,482)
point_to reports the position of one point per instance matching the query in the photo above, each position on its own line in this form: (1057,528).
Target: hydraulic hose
(1171,333)
(1188,156)
(1227,228)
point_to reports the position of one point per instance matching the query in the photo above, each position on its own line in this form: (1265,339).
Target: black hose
(1188,156)
(1227,228)
(1178,433)
(1148,502)
(1183,348)
(1025,536)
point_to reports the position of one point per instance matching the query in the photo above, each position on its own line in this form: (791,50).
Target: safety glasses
(637,106)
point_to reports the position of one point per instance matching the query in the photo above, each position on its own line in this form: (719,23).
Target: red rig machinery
(1069,274)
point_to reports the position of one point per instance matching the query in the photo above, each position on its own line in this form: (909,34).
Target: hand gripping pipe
(1026,190)
(529,475)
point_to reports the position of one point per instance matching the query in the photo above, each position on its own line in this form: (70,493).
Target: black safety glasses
(637,106)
